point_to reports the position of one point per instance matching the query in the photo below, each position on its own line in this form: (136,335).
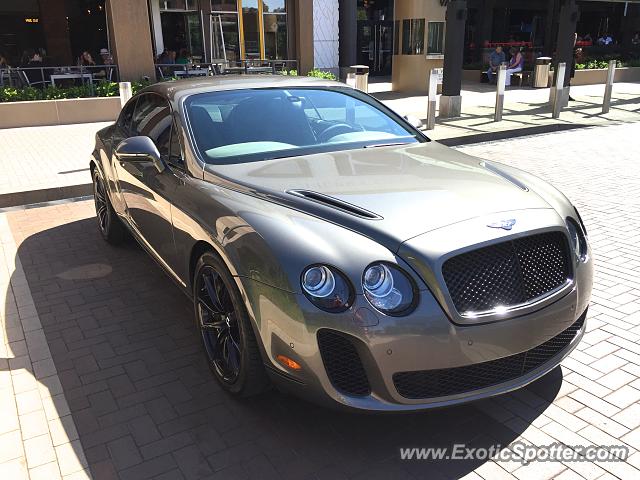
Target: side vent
(335,203)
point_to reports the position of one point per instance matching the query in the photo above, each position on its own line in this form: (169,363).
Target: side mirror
(139,149)
(414,121)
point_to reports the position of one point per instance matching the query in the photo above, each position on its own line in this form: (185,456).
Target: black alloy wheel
(227,336)
(219,325)
(111,228)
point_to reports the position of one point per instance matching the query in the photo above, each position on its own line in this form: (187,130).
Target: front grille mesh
(451,381)
(342,363)
(508,273)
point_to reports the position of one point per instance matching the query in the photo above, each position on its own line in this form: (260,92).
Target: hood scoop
(336,203)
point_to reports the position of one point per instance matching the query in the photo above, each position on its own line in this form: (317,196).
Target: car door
(145,191)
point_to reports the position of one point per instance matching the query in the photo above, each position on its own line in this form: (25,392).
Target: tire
(110,226)
(227,336)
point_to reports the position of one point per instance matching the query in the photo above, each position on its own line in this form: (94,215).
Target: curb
(15,199)
(506,134)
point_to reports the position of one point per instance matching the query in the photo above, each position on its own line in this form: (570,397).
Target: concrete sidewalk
(526,111)
(42,164)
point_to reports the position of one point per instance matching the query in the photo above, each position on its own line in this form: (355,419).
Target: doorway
(375,45)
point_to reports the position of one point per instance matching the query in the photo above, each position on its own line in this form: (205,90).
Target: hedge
(100,89)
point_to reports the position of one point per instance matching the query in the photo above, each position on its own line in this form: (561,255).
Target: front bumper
(423,341)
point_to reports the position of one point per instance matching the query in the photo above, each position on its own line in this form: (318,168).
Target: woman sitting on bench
(515,64)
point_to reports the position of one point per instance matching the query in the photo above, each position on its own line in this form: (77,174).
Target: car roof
(174,90)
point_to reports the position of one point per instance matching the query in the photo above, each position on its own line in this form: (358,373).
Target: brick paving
(134,385)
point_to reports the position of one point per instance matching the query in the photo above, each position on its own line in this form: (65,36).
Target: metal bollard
(559,90)
(433,93)
(500,87)
(125,92)
(608,89)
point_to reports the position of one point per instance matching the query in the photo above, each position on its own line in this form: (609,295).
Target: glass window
(435,38)
(152,117)
(413,36)
(273,6)
(124,121)
(178,5)
(224,5)
(251,29)
(226,36)
(275,35)
(240,125)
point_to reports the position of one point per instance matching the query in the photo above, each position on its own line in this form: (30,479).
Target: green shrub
(321,74)
(596,64)
(100,89)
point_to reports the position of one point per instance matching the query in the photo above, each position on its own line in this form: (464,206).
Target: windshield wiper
(390,144)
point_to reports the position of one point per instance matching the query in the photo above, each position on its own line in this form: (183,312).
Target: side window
(152,118)
(124,120)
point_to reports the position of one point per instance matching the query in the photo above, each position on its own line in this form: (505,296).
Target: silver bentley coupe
(333,250)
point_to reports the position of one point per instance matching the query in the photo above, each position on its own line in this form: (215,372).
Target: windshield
(252,125)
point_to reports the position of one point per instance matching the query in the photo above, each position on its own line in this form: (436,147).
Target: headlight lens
(388,289)
(578,239)
(327,288)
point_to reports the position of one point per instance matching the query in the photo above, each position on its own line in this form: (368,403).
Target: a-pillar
(130,34)
(451,100)
(348,28)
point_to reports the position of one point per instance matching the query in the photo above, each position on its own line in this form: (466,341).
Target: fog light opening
(288,363)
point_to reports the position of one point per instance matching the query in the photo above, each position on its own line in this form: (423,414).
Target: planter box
(596,76)
(58,112)
(472,75)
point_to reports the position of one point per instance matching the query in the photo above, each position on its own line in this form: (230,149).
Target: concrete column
(348,26)
(130,33)
(567,20)
(205,9)
(303,24)
(550,27)
(156,23)
(53,15)
(451,101)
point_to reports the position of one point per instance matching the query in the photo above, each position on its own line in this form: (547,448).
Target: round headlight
(327,288)
(388,289)
(578,239)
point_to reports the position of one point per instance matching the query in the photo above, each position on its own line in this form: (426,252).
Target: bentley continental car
(333,250)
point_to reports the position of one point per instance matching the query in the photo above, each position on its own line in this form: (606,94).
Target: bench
(522,78)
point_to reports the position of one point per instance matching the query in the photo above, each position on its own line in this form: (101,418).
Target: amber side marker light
(287,362)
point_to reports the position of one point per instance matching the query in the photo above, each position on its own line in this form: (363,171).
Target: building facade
(403,39)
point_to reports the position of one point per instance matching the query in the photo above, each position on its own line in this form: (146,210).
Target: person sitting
(183,57)
(605,39)
(515,64)
(496,58)
(36,75)
(86,60)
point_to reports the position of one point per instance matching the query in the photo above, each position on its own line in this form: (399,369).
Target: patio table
(71,76)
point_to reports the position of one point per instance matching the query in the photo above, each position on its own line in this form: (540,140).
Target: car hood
(389,193)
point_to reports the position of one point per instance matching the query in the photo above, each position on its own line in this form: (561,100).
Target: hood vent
(335,203)
(506,176)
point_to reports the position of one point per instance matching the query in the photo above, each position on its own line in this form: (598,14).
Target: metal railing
(46,75)
(223,67)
